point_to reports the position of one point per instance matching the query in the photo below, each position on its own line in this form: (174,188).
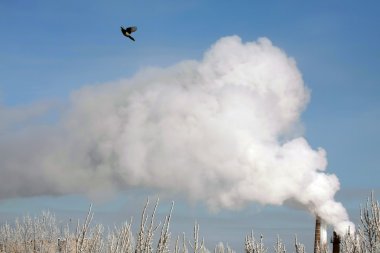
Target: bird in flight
(127,32)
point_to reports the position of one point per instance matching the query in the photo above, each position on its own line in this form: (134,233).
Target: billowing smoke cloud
(224,130)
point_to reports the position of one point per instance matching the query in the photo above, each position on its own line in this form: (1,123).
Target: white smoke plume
(224,130)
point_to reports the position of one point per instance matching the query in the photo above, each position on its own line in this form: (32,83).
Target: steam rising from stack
(224,130)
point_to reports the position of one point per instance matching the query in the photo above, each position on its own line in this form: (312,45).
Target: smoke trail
(224,130)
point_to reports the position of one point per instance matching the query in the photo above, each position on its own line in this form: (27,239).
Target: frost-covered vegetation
(41,234)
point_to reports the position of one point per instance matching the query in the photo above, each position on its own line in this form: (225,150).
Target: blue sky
(49,49)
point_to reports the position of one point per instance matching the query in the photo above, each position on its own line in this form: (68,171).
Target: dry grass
(41,234)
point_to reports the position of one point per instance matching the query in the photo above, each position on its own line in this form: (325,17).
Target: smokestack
(317,234)
(336,243)
(320,239)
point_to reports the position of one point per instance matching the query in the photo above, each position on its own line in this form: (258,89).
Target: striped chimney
(320,239)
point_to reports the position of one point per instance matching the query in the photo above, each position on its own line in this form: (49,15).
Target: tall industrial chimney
(320,239)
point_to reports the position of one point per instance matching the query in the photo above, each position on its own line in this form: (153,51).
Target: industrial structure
(320,240)
(320,237)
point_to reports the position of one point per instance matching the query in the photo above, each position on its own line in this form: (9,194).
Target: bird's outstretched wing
(131,29)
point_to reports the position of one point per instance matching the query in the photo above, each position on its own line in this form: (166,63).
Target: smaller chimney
(336,242)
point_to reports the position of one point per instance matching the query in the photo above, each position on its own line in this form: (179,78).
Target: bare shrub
(254,246)
(300,248)
(280,246)
(367,238)
(220,248)
(196,245)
